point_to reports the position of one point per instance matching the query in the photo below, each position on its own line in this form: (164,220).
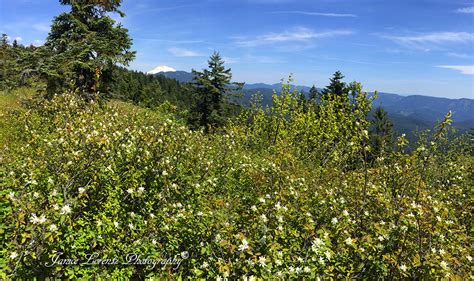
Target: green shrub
(282,192)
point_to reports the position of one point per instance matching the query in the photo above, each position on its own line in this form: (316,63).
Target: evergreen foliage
(84,45)
(213,89)
(150,91)
(382,133)
(313,93)
(336,87)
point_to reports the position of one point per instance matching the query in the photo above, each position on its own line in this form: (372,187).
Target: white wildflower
(444,265)
(244,246)
(348,241)
(253,208)
(317,243)
(65,210)
(13,255)
(334,221)
(53,227)
(403,267)
(278,206)
(262,261)
(328,255)
(34,219)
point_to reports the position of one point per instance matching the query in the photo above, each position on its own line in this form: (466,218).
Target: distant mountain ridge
(181,76)
(407,112)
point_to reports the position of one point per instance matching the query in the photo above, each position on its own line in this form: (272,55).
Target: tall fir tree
(303,101)
(382,134)
(313,93)
(213,85)
(85,44)
(4,60)
(336,86)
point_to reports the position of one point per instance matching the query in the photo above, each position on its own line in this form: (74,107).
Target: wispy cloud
(430,40)
(38,42)
(300,34)
(17,39)
(461,55)
(467,10)
(43,27)
(246,59)
(317,14)
(179,52)
(169,41)
(164,9)
(464,69)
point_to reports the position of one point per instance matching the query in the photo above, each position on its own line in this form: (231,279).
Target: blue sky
(405,46)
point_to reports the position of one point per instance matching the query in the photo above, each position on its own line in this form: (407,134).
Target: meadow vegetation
(278,192)
(112,174)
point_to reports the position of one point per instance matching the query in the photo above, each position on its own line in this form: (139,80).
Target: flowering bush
(282,192)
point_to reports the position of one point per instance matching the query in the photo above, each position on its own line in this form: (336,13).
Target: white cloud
(179,52)
(315,14)
(11,39)
(169,41)
(464,69)
(251,59)
(38,43)
(461,55)
(429,40)
(467,10)
(300,34)
(43,27)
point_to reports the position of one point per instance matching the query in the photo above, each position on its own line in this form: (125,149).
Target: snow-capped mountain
(161,68)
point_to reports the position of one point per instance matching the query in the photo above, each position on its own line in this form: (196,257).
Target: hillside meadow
(111,190)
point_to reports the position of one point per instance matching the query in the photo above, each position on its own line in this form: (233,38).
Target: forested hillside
(108,173)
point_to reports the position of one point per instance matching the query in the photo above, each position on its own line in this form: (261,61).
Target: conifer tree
(313,93)
(382,135)
(336,86)
(4,48)
(212,89)
(85,44)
